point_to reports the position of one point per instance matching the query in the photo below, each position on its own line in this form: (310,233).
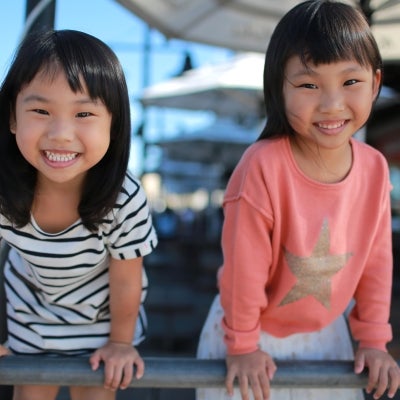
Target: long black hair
(320,32)
(85,60)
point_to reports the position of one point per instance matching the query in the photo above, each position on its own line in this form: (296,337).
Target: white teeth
(60,157)
(331,126)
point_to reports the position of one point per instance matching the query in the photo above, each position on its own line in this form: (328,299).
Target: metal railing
(173,373)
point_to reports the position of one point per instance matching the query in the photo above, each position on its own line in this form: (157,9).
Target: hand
(384,373)
(255,369)
(119,360)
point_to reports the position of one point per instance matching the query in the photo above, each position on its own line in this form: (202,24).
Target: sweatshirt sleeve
(369,319)
(247,255)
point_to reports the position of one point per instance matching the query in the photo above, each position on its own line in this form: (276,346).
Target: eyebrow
(42,99)
(308,71)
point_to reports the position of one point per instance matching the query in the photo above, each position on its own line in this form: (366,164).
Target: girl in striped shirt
(77,223)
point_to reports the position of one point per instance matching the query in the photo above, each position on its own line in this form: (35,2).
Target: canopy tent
(246,25)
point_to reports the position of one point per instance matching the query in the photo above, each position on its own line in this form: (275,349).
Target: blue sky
(124,33)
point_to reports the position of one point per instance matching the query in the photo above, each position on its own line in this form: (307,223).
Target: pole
(39,14)
(166,372)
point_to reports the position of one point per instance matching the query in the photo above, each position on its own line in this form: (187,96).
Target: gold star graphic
(314,273)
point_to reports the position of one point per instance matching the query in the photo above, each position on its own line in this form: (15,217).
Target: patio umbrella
(246,25)
(233,88)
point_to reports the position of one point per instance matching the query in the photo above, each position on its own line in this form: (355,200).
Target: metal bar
(173,373)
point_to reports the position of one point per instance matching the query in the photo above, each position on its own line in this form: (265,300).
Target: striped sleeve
(129,229)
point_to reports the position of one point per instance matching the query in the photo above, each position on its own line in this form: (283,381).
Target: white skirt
(331,343)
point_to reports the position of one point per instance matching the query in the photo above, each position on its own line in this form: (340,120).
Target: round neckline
(314,182)
(43,232)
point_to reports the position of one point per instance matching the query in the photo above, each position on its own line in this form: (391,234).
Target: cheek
(98,146)
(22,141)
(26,139)
(295,111)
(293,103)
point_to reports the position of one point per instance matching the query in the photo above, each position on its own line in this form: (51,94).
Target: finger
(373,378)
(116,378)
(244,387)
(271,369)
(359,364)
(127,376)
(139,368)
(382,384)
(265,386)
(108,375)
(229,381)
(94,361)
(394,374)
(256,389)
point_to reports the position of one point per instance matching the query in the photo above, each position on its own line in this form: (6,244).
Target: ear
(13,123)
(376,83)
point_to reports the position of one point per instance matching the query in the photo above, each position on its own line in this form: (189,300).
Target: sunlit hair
(85,60)
(318,32)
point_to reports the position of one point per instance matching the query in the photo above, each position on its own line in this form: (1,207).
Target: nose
(331,101)
(61,130)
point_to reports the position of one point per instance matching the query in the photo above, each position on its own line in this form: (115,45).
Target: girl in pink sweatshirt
(307,226)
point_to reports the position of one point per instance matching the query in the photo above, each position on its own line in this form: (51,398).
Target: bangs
(84,62)
(332,45)
(327,34)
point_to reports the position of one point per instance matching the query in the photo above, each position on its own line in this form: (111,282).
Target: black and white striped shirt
(57,284)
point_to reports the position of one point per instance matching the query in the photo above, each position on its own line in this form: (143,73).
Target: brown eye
(83,114)
(350,82)
(309,86)
(40,111)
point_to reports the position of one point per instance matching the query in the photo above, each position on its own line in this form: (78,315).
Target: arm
(247,255)
(125,294)
(369,319)
(4,351)
(118,354)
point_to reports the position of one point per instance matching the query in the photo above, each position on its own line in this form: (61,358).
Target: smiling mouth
(60,157)
(332,125)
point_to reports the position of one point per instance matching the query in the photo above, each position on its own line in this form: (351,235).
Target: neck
(321,164)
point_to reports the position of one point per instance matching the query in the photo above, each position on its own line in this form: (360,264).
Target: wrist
(121,342)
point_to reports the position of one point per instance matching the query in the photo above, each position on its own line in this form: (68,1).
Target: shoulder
(131,189)
(258,150)
(262,154)
(131,185)
(367,150)
(257,171)
(131,215)
(131,202)
(259,158)
(368,158)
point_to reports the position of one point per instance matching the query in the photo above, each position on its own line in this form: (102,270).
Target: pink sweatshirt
(297,251)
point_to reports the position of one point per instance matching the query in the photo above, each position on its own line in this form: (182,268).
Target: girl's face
(328,103)
(61,133)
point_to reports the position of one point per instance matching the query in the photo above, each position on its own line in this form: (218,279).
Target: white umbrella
(246,25)
(233,88)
